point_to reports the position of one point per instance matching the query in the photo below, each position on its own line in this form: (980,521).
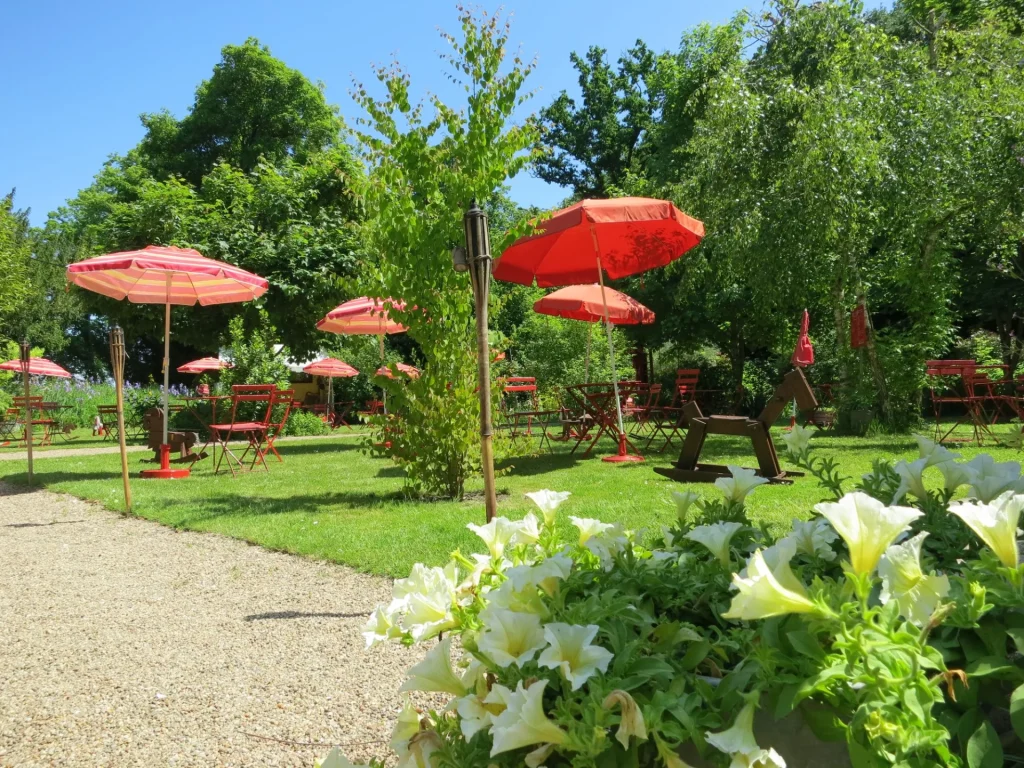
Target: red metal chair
(249,396)
(277,416)
(670,421)
(950,382)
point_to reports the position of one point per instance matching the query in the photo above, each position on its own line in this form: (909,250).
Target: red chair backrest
(686,385)
(253,389)
(282,399)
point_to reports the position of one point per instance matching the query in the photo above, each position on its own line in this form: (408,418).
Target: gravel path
(125,643)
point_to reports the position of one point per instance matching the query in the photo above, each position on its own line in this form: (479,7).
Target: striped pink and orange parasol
(409,370)
(37,366)
(164,274)
(332,368)
(363,316)
(205,365)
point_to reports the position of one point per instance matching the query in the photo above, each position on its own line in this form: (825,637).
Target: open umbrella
(584,302)
(364,316)
(409,370)
(37,366)
(594,238)
(205,365)
(332,368)
(167,275)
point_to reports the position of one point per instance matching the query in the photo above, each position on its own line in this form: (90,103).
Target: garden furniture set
(973,394)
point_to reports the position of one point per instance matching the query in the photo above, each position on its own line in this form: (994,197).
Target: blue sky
(79,74)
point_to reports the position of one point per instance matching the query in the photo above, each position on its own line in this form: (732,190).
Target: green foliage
(304,423)
(256,354)
(15,250)
(425,167)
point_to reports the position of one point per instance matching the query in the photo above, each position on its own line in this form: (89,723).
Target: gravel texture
(125,643)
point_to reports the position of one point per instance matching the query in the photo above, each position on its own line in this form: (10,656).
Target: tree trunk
(737,358)
(876,367)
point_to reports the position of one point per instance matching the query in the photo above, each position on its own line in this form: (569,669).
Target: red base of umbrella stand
(165,472)
(623,455)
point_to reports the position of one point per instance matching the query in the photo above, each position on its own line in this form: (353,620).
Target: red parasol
(165,274)
(586,241)
(37,366)
(620,237)
(205,365)
(583,302)
(804,353)
(409,370)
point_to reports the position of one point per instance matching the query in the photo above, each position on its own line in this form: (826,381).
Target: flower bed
(886,630)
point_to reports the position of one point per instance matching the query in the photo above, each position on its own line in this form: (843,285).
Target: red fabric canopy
(363,316)
(583,302)
(37,366)
(408,370)
(142,277)
(804,352)
(628,235)
(204,364)
(332,368)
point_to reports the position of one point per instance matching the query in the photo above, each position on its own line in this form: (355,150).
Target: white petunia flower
(406,726)
(867,526)
(529,530)
(764,592)
(608,544)
(546,574)
(496,534)
(739,743)
(335,759)
(508,598)
(571,650)
(510,637)
(524,723)
(435,674)
(934,453)
(475,715)
(740,485)
(954,475)
(995,524)
(381,625)
(991,479)
(684,500)
(429,613)
(911,479)
(716,538)
(419,752)
(631,719)
(916,593)
(813,538)
(589,528)
(548,501)
(797,441)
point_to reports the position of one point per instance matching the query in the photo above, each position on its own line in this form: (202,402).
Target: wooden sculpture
(689,470)
(182,442)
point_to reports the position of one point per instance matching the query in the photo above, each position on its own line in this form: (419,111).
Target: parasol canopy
(409,370)
(583,302)
(164,274)
(622,237)
(205,365)
(37,366)
(363,316)
(332,368)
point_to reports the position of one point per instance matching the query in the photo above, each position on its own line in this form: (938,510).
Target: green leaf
(1017,635)
(1017,711)
(695,655)
(824,722)
(984,749)
(807,644)
(993,666)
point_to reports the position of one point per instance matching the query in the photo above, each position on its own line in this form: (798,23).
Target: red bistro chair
(254,430)
(950,382)
(277,416)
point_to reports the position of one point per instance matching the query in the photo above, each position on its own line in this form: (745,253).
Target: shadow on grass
(212,507)
(42,479)
(391,472)
(314,446)
(523,466)
(301,615)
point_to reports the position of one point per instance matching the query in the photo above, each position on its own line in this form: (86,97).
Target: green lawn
(79,438)
(329,500)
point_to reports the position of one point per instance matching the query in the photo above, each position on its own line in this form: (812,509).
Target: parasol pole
(26,355)
(380,337)
(611,344)
(117,364)
(167,356)
(586,360)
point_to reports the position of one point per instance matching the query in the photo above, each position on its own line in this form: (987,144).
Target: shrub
(595,650)
(304,423)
